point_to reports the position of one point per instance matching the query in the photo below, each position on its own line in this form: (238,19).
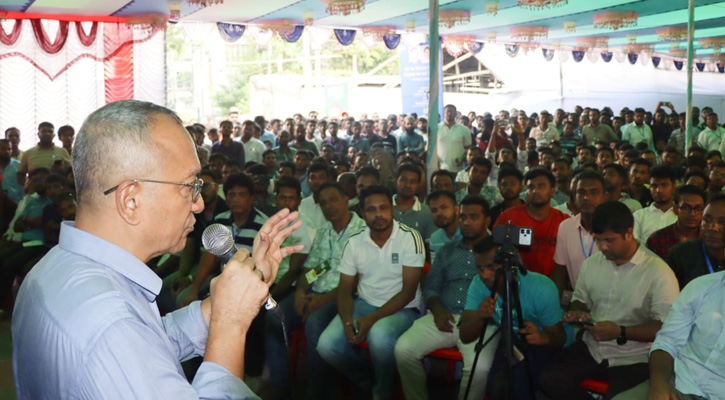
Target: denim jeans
(338,352)
(319,373)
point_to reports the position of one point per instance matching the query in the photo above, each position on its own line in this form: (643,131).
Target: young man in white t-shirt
(387,259)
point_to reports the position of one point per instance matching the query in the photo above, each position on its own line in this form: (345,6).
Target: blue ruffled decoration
(656,61)
(607,56)
(577,55)
(392,40)
(632,57)
(230,32)
(679,65)
(476,47)
(700,66)
(345,36)
(295,35)
(512,50)
(721,68)
(548,54)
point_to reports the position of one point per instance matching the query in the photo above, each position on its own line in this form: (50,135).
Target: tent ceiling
(709,15)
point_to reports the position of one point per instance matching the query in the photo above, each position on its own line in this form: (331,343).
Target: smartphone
(666,103)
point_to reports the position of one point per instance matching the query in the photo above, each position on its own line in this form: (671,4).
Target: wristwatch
(622,339)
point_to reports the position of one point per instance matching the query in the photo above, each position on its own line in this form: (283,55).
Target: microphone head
(217,239)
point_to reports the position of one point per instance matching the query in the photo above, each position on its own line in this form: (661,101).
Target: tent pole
(433,88)
(690,35)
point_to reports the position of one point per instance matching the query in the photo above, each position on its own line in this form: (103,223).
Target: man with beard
(233,150)
(639,175)
(301,143)
(284,152)
(339,145)
(717,178)
(408,210)
(623,293)
(539,215)
(689,203)
(313,303)
(545,133)
(710,138)
(574,241)
(444,292)
(45,155)
(616,178)
(638,131)
(595,131)
(662,184)
(317,175)
(445,216)
(510,183)
(477,178)
(409,139)
(453,140)
(442,180)
(562,173)
(390,142)
(701,256)
(386,260)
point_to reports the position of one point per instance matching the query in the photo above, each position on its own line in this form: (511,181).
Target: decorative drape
(345,36)
(721,68)
(86,39)
(512,50)
(700,66)
(295,35)
(230,32)
(548,54)
(118,70)
(577,55)
(656,61)
(632,57)
(607,56)
(10,39)
(592,56)
(476,47)
(678,65)
(44,41)
(392,41)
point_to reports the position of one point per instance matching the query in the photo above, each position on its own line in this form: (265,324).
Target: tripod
(507,276)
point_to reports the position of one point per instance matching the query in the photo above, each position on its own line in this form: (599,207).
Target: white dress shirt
(651,219)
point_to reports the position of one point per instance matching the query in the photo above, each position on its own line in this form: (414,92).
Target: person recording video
(86,324)
(542,328)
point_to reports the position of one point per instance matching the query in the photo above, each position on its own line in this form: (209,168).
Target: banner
(414,80)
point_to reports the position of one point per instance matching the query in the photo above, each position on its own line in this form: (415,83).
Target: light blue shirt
(267,136)
(439,238)
(86,326)
(694,335)
(10,180)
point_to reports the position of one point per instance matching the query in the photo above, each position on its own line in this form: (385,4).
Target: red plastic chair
(595,385)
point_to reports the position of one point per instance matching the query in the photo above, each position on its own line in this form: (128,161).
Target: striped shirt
(381,269)
(243,235)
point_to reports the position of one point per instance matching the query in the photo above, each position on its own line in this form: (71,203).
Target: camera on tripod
(508,236)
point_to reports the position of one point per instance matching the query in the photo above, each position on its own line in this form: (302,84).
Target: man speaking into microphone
(86,324)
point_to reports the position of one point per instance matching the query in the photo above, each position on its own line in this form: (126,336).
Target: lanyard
(581,242)
(332,247)
(709,263)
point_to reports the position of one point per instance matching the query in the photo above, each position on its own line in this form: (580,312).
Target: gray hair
(115,144)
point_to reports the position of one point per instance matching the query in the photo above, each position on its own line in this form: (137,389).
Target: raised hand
(266,250)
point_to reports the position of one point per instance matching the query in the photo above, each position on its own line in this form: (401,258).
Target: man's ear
(127,202)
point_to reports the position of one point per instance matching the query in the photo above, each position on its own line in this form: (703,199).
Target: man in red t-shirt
(539,215)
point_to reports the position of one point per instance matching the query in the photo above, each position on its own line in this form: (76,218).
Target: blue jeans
(319,373)
(336,350)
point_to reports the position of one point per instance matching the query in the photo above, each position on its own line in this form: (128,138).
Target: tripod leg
(480,344)
(522,339)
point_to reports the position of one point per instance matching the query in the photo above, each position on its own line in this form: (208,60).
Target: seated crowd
(398,263)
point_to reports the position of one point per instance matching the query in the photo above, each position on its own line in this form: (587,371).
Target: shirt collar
(416,205)
(393,234)
(111,255)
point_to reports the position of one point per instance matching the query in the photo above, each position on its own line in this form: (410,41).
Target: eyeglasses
(195,187)
(686,208)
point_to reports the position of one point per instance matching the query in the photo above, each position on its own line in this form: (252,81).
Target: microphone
(218,240)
